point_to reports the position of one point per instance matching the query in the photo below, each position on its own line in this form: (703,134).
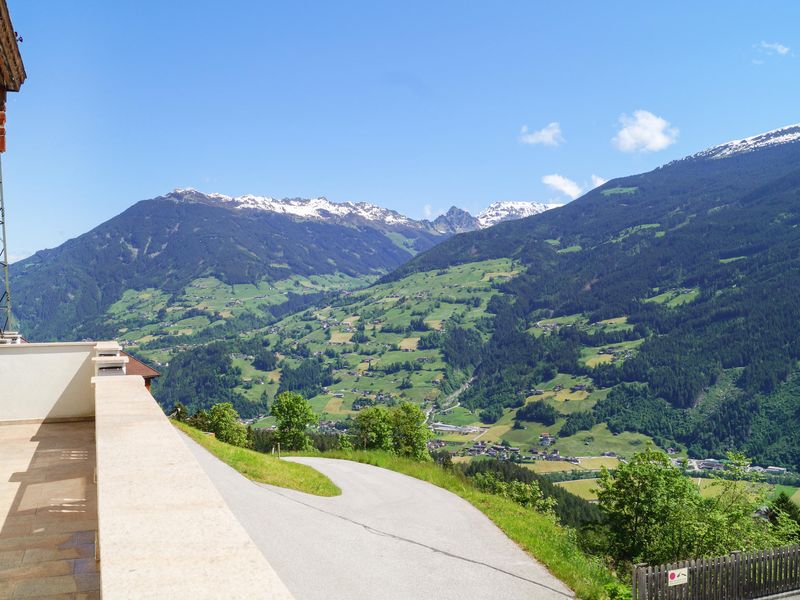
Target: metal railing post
(5,298)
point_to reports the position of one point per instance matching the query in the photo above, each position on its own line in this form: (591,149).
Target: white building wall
(46,381)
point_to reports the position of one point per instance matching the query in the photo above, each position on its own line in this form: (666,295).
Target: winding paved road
(387,537)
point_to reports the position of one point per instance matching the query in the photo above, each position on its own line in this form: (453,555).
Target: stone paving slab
(48,511)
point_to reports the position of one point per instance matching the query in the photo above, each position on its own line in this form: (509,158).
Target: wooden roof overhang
(12,71)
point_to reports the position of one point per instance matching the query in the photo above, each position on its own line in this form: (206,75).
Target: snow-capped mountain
(311,208)
(783,135)
(169,241)
(456,220)
(497,212)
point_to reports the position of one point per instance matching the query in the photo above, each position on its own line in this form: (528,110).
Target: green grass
(435,296)
(552,466)
(711,488)
(635,229)
(569,249)
(576,319)
(583,488)
(619,190)
(594,463)
(457,416)
(539,535)
(599,439)
(673,298)
(263,467)
(683,298)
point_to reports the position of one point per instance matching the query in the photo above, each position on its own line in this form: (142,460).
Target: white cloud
(597,181)
(644,132)
(774,48)
(563,185)
(427,211)
(548,136)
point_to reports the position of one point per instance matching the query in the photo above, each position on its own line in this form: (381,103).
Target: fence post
(639,582)
(735,584)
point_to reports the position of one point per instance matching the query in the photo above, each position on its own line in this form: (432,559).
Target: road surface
(387,537)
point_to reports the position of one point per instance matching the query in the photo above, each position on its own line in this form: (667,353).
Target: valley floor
(387,536)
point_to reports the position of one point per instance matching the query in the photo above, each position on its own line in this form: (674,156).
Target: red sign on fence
(677,577)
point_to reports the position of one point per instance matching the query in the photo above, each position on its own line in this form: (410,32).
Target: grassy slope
(549,543)
(584,488)
(436,297)
(264,468)
(136,313)
(459,293)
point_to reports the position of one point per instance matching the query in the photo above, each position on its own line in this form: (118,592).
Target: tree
(373,429)
(784,504)
(655,514)
(264,400)
(443,458)
(651,509)
(223,422)
(729,523)
(491,414)
(199,420)
(264,360)
(294,415)
(345,443)
(528,494)
(409,432)
(180,412)
(201,377)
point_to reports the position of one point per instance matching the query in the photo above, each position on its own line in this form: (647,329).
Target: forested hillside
(167,243)
(658,308)
(417,340)
(698,263)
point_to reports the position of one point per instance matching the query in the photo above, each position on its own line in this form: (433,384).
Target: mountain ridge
(782,135)
(169,241)
(693,267)
(320,208)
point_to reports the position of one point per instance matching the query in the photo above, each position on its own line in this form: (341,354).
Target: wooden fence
(738,576)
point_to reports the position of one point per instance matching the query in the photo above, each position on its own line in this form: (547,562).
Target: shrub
(223,422)
(409,432)
(293,414)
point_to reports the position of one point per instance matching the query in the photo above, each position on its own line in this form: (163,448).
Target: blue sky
(415,105)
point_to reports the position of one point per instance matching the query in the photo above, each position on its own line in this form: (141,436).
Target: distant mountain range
(455,220)
(169,241)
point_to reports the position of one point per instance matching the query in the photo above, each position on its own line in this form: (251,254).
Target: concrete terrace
(48,510)
(99,496)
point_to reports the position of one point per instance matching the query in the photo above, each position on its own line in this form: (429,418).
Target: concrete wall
(46,381)
(164,529)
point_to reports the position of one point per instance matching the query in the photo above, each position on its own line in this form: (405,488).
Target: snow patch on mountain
(311,208)
(497,212)
(455,220)
(783,135)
